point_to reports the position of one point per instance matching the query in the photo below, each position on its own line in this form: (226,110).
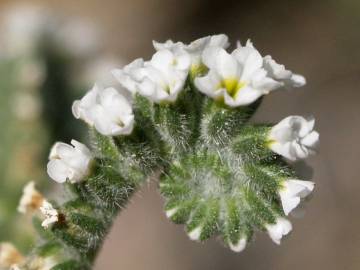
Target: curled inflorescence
(185,115)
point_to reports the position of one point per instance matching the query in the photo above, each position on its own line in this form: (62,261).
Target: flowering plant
(184,115)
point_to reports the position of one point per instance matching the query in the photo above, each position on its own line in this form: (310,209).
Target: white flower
(160,79)
(281,228)
(237,78)
(294,138)
(107,110)
(195,48)
(68,162)
(9,255)
(279,73)
(239,246)
(50,213)
(31,199)
(292,191)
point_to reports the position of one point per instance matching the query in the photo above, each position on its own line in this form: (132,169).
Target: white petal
(283,149)
(261,82)
(209,56)
(292,191)
(226,65)
(58,171)
(245,96)
(297,80)
(250,60)
(240,246)
(289,203)
(167,45)
(195,234)
(276,70)
(279,229)
(171,212)
(304,187)
(280,73)
(162,59)
(208,84)
(130,75)
(60,150)
(311,140)
(81,147)
(220,40)
(80,107)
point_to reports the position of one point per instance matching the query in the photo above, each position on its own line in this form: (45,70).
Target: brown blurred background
(320,39)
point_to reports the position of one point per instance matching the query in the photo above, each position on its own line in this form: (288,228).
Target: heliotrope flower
(69,163)
(292,191)
(195,49)
(280,73)
(161,79)
(107,110)
(238,78)
(294,138)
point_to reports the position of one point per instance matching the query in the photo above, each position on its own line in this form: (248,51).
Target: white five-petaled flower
(107,110)
(278,72)
(9,255)
(294,138)
(72,163)
(292,191)
(50,213)
(237,78)
(195,48)
(281,228)
(31,199)
(160,79)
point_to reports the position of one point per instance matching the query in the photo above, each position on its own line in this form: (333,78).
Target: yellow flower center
(198,70)
(232,86)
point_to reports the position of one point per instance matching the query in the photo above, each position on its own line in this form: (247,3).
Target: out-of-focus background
(319,39)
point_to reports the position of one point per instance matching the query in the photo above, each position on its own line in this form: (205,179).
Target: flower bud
(294,138)
(281,228)
(292,191)
(69,163)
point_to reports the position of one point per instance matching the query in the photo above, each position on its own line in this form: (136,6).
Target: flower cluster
(185,113)
(234,79)
(68,162)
